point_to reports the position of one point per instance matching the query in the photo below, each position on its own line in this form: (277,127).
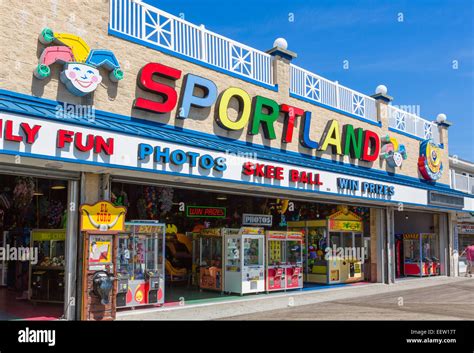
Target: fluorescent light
(58,185)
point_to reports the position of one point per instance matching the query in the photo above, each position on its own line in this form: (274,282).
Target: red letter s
(168,93)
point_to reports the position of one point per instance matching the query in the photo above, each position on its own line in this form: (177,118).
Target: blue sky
(413,58)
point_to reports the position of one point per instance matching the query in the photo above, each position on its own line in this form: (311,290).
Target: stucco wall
(23,21)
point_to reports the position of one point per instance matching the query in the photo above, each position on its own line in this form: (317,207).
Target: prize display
(208,258)
(284,260)
(140,264)
(244,254)
(47,275)
(420,255)
(334,249)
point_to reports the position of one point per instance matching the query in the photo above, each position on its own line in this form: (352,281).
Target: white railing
(320,90)
(412,124)
(137,20)
(463,183)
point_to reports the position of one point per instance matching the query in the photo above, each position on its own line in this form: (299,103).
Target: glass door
(360,247)
(358,240)
(335,239)
(139,257)
(233,254)
(152,253)
(347,242)
(125,251)
(253,256)
(276,253)
(293,253)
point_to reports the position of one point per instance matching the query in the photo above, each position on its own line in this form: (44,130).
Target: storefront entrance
(418,245)
(33,222)
(214,238)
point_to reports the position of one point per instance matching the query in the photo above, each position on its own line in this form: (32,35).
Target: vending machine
(141,264)
(207,258)
(284,260)
(244,259)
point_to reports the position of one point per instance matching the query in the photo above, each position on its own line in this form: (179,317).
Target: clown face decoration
(397,159)
(81,64)
(80,79)
(429,162)
(393,152)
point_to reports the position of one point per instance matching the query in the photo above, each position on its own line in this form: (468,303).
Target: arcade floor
(12,308)
(180,294)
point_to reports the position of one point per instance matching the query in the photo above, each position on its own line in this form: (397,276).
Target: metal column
(381,235)
(71,250)
(445,244)
(389,246)
(105,185)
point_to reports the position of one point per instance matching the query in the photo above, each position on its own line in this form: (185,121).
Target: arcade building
(147,159)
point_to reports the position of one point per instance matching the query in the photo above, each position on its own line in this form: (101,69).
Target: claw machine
(141,264)
(244,259)
(420,254)
(333,248)
(208,258)
(284,260)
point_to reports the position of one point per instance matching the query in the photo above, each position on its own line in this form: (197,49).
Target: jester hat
(80,75)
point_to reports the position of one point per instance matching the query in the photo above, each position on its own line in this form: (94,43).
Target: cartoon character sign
(393,152)
(429,162)
(81,74)
(80,79)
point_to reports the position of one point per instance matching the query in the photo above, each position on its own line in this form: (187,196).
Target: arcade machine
(420,255)
(340,234)
(46,282)
(284,260)
(140,264)
(100,225)
(207,262)
(244,259)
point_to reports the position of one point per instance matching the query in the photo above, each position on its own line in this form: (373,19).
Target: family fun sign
(46,139)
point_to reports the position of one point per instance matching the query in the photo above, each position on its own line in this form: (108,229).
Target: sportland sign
(99,149)
(260,112)
(255,113)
